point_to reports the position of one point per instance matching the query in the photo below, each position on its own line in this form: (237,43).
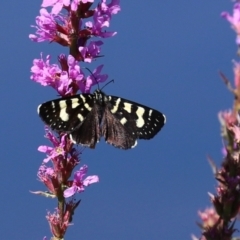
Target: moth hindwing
(87,117)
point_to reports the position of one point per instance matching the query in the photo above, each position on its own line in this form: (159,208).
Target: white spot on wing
(80,117)
(64,115)
(74,102)
(62,104)
(140,121)
(123,120)
(150,113)
(86,105)
(127,107)
(83,98)
(115,107)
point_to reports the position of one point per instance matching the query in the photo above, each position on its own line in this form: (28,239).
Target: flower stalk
(72,24)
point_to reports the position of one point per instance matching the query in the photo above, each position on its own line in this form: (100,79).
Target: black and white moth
(87,117)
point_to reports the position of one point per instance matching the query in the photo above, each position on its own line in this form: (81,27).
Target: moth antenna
(112,81)
(93,76)
(97,81)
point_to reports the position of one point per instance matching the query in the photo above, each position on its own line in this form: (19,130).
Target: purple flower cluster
(66,29)
(68,79)
(72,24)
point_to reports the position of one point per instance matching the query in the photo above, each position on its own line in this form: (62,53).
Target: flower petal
(90,180)
(70,191)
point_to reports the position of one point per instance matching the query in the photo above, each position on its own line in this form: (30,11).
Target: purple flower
(57,5)
(44,72)
(234,20)
(63,84)
(109,9)
(101,18)
(79,182)
(58,146)
(49,178)
(74,70)
(58,225)
(91,51)
(67,78)
(51,75)
(95,78)
(236,130)
(100,21)
(75,3)
(86,1)
(47,27)
(227,118)
(45,173)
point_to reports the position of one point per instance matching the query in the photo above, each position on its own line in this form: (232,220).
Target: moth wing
(139,120)
(115,133)
(88,133)
(66,114)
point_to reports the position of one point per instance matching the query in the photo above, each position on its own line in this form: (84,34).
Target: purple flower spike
(78,182)
(72,24)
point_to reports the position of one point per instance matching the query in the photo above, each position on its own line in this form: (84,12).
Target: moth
(88,117)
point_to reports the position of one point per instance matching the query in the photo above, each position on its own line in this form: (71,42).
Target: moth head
(100,96)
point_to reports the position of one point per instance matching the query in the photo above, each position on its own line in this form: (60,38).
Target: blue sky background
(166,55)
